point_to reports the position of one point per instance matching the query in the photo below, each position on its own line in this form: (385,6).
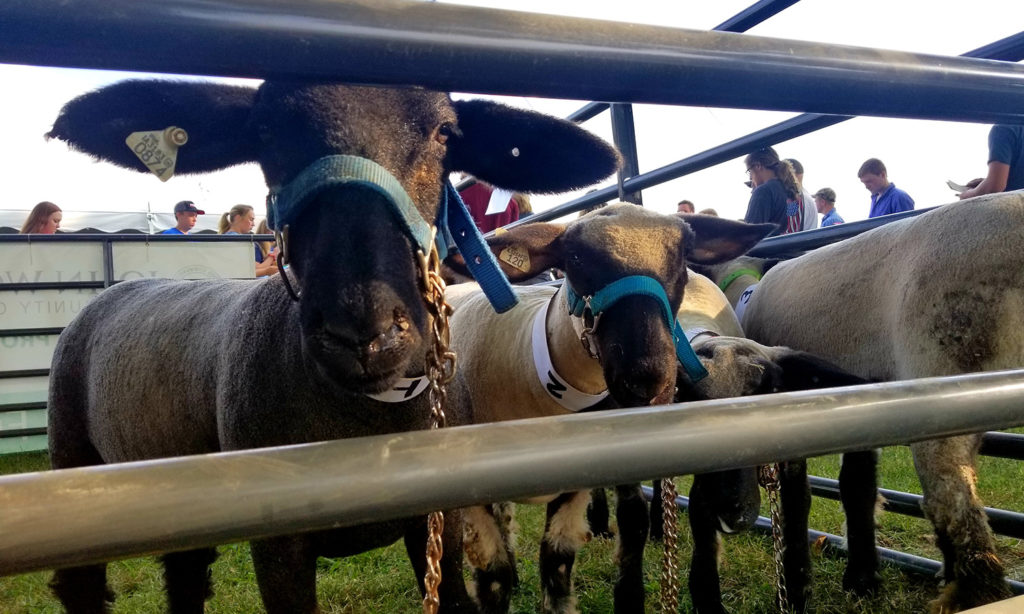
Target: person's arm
(268,266)
(995,181)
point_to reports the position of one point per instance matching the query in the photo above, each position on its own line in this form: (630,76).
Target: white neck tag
(404,389)
(693,333)
(556,387)
(741,305)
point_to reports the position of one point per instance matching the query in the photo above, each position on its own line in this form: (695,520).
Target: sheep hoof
(861,583)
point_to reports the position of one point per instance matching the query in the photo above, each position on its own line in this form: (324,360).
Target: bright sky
(920,155)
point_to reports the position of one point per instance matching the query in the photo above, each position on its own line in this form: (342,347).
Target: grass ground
(382,581)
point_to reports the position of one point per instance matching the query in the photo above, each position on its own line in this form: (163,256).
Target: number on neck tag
(516,256)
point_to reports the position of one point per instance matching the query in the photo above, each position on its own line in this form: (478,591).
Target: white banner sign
(184,260)
(26,352)
(50,262)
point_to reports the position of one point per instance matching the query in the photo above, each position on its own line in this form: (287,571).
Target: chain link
(670,552)
(440,363)
(769,479)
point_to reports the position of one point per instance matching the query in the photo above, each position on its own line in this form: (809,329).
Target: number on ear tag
(516,256)
(158,149)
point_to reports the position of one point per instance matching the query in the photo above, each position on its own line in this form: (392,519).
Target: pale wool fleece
(569,528)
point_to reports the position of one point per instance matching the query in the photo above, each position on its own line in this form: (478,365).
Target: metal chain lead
(769,479)
(440,362)
(670,552)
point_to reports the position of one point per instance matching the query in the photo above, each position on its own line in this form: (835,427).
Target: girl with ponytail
(776,195)
(239,221)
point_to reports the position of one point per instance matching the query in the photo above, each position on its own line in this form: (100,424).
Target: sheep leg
(564,532)
(858,490)
(489,552)
(795,499)
(286,574)
(188,580)
(597,513)
(452,591)
(83,590)
(946,469)
(657,532)
(631,513)
(704,582)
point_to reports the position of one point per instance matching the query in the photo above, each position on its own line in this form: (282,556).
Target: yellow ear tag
(158,149)
(516,256)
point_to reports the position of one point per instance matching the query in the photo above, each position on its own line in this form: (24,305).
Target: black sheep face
(361,315)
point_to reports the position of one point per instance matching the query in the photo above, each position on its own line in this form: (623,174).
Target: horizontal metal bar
(1003,445)
(24,373)
(8,407)
(1003,522)
(741,22)
(30,332)
(794,244)
(96,237)
(1008,48)
(902,560)
(10,433)
(50,285)
(77,516)
(469,49)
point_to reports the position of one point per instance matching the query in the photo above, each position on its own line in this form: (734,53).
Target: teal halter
(456,227)
(638,285)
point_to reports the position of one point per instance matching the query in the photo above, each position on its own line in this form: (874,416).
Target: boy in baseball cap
(185,213)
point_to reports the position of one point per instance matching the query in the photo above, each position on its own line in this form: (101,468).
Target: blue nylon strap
(619,289)
(453,220)
(643,286)
(479,258)
(687,357)
(285,203)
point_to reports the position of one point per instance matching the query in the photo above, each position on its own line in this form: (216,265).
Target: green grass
(382,581)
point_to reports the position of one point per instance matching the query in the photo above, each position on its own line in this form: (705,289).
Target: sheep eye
(443,132)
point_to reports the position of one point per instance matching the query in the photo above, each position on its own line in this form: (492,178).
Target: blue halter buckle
(635,285)
(286,202)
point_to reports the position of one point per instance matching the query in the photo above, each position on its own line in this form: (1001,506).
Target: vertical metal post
(108,262)
(624,135)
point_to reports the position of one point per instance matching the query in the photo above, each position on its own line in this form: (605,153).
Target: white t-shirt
(810,210)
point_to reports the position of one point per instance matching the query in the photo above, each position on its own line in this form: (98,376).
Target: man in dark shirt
(1005,161)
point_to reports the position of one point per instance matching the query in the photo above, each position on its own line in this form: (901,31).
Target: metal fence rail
(90,514)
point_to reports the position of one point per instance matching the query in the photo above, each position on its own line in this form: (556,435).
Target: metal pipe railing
(84,515)
(458,48)
(1009,48)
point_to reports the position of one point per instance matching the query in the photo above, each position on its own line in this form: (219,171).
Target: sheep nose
(390,336)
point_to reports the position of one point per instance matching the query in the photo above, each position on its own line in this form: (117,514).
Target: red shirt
(476,197)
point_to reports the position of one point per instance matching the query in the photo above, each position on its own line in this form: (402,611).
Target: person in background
(185,214)
(886,198)
(810,212)
(825,202)
(240,221)
(476,197)
(1005,162)
(525,207)
(684,206)
(776,195)
(44,219)
(266,247)
(708,211)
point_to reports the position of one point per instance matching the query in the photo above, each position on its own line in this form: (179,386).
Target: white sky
(920,155)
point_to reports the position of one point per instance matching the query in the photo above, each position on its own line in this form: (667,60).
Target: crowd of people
(777,196)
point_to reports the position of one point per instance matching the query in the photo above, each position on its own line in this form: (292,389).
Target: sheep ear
(213,115)
(522,252)
(803,371)
(526,151)
(718,239)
